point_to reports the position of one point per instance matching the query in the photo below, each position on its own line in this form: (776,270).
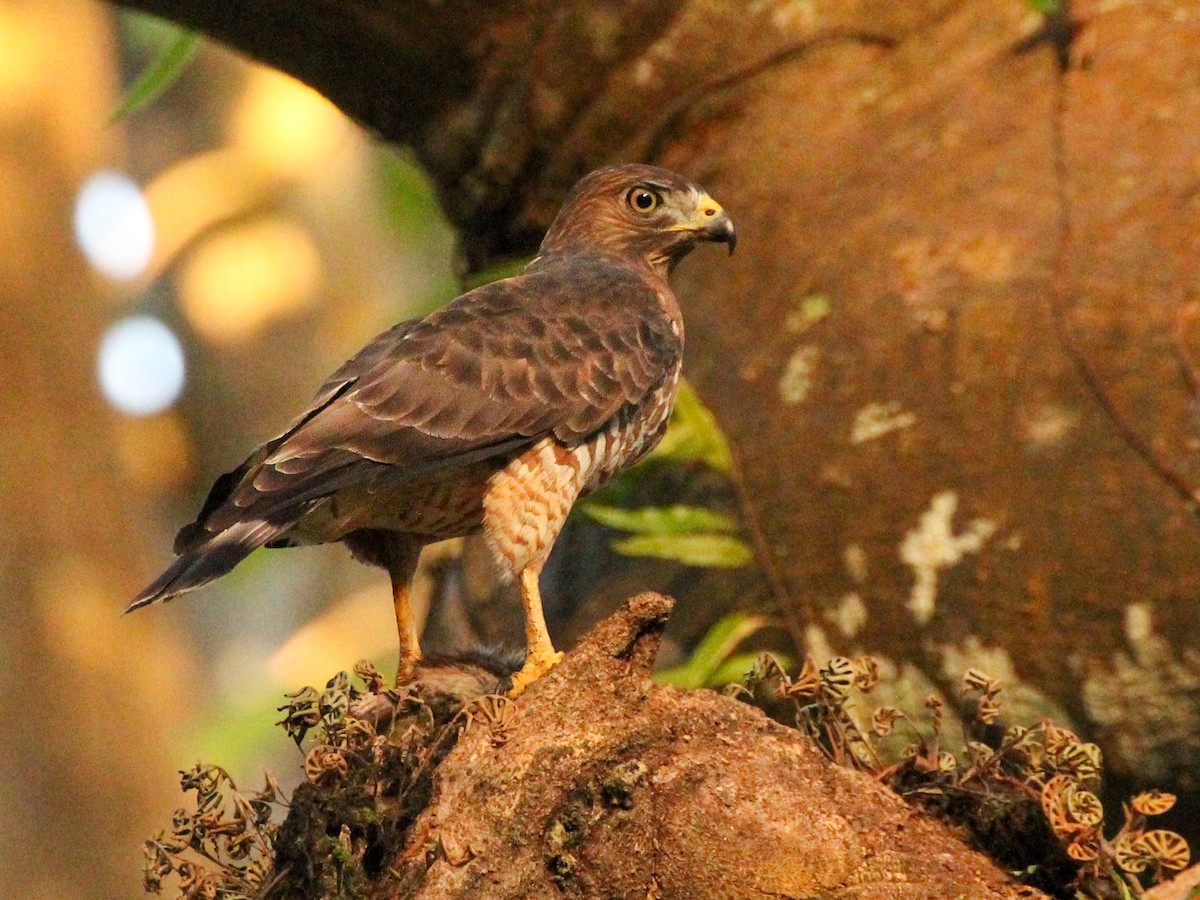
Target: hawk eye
(643,199)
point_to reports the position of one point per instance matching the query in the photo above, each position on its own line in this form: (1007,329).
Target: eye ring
(643,200)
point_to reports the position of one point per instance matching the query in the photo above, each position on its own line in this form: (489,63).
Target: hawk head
(637,211)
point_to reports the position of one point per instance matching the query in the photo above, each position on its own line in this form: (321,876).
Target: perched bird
(493,414)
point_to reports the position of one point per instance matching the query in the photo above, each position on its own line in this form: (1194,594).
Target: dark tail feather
(207,562)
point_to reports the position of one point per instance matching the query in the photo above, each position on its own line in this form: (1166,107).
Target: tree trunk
(953,353)
(73,673)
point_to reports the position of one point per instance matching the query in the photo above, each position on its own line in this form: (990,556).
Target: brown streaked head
(641,211)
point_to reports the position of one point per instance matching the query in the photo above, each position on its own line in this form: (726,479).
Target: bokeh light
(24,55)
(140,366)
(284,126)
(154,451)
(247,276)
(113,225)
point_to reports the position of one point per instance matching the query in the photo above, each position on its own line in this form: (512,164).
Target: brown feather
(576,357)
(411,400)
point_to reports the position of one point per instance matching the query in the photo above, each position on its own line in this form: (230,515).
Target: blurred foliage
(676,519)
(694,434)
(692,535)
(506,269)
(408,197)
(714,662)
(162,72)
(1046,7)
(415,218)
(238,730)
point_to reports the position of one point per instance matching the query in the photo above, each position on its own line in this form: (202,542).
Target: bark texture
(949,351)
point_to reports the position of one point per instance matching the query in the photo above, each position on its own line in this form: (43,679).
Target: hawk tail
(207,562)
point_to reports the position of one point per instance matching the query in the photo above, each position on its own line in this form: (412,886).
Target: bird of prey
(493,414)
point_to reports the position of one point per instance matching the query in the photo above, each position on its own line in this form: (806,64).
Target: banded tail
(207,561)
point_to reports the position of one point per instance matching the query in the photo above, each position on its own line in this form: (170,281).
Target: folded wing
(558,351)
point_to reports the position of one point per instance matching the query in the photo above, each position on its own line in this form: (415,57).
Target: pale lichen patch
(816,643)
(797,380)
(850,614)
(807,311)
(644,72)
(904,686)
(855,559)
(933,546)
(800,15)
(1049,424)
(987,257)
(879,418)
(1139,624)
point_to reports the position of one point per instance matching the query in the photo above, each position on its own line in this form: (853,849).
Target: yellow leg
(406,628)
(541,655)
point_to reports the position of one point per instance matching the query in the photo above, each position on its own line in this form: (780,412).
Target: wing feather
(557,350)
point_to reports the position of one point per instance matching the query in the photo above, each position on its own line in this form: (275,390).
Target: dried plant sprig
(224,848)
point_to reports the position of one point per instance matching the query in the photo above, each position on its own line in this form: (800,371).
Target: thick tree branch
(912,183)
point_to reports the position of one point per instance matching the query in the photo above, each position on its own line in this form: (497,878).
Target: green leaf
(163,71)
(694,434)
(735,669)
(714,649)
(722,551)
(677,519)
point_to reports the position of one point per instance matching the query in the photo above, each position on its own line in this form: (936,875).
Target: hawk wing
(558,350)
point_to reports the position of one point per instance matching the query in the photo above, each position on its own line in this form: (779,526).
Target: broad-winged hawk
(493,414)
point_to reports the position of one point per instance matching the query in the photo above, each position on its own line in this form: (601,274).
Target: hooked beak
(714,224)
(721,230)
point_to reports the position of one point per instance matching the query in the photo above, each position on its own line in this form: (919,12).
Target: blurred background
(175,285)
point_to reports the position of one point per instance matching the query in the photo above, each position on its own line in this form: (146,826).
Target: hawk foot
(538,663)
(407,668)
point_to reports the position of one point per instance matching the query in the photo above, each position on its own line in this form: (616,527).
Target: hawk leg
(541,655)
(398,553)
(406,628)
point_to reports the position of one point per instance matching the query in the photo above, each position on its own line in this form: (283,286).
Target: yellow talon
(537,664)
(541,656)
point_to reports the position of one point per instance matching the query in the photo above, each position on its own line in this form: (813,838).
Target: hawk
(492,414)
